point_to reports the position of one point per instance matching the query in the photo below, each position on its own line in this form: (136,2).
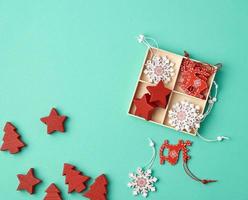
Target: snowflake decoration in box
(159,68)
(185,116)
(142,182)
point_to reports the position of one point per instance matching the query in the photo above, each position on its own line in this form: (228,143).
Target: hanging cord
(147,41)
(151,161)
(186,158)
(212,100)
(190,174)
(218,138)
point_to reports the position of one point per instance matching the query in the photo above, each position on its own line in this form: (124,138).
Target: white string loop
(151,161)
(211,102)
(218,138)
(147,41)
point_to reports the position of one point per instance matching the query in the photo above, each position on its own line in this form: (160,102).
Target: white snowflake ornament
(142,182)
(159,68)
(185,116)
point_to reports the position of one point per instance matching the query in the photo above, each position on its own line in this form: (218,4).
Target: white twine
(147,41)
(151,161)
(211,102)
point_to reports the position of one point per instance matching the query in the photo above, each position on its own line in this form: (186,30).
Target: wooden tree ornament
(11,139)
(98,190)
(53,193)
(74,178)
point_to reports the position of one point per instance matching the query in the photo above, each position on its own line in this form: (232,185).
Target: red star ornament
(144,109)
(54,122)
(28,182)
(159,94)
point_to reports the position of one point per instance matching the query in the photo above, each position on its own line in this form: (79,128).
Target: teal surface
(82,58)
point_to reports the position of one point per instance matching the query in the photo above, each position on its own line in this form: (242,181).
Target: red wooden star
(159,94)
(28,181)
(143,107)
(54,121)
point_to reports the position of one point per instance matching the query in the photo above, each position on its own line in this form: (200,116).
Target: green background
(82,58)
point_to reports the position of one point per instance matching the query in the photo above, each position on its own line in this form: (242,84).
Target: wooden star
(159,94)
(54,122)
(143,108)
(28,182)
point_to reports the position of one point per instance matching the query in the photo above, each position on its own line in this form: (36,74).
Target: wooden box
(160,115)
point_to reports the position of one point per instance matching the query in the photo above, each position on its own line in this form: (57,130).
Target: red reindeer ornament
(174,151)
(195,77)
(173,155)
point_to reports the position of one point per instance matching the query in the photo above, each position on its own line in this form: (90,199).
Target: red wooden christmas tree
(11,139)
(53,193)
(74,178)
(98,190)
